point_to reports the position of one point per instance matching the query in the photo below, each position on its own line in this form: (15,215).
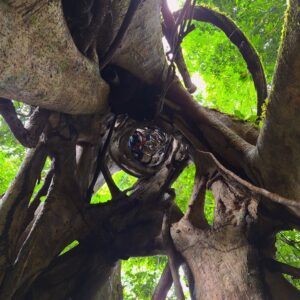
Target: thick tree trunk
(39,63)
(276,158)
(223,263)
(226,260)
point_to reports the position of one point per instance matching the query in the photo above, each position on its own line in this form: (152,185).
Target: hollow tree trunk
(226,260)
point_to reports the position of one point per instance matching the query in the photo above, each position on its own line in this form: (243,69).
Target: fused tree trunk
(223,266)
(226,259)
(52,56)
(35,38)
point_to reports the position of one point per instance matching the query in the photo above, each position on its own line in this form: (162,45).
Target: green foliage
(209,207)
(209,53)
(11,152)
(103,195)
(140,276)
(184,186)
(11,156)
(69,247)
(288,251)
(41,182)
(123,181)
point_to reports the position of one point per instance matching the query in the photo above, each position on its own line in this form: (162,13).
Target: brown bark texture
(104,98)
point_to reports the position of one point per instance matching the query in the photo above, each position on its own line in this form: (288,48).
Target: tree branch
(28,136)
(252,188)
(166,281)
(101,166)
(172,255)
(236,36)
(164,284)
(169,30)
(14,203)
(212,132)
(133,6)
(190,279)
(276,266)
(62,209)
(41,193)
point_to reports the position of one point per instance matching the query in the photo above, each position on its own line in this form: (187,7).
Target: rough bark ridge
(53,56)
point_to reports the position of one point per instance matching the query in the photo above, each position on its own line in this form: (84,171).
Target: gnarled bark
(39,63)
(45,65)
(276,157)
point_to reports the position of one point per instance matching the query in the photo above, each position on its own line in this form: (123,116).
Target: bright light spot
(199,83)
(173,5)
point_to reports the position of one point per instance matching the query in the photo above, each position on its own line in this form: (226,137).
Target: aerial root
(237,37)
(170,32)
(172,256)
(102,167)
(276,266)
(164,284)
(28,136)
(255,190)
(133,6)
